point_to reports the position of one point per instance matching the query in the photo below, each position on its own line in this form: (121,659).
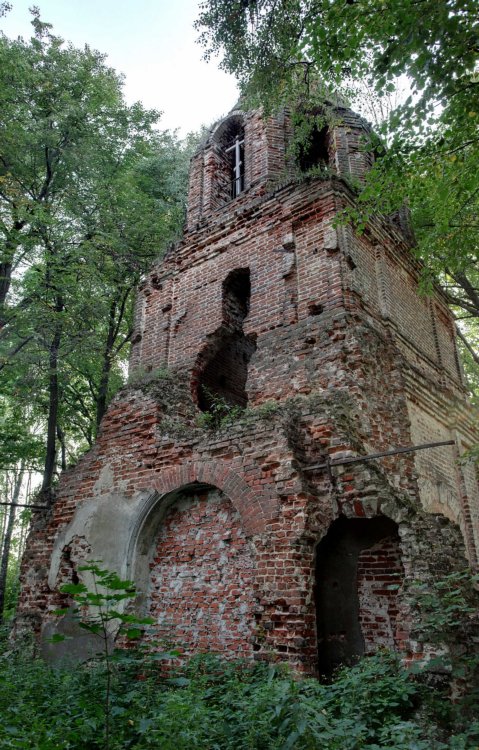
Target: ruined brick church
(235,479)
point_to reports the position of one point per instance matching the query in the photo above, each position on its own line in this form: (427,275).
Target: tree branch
(466,343)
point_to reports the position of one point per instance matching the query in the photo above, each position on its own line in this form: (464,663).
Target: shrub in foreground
(213,705)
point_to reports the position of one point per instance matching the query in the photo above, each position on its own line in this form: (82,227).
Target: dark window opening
(358,573)
(315,151)
(230,172)
(222,380)
(236,296)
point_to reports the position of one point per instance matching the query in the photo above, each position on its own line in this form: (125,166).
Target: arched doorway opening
(358,574)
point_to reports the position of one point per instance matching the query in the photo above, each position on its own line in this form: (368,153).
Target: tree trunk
(5,276)
(4,513)
(7,540)
(115,319)
(53,399)
(469,289)
(61,439)
(25,522)
(6,265)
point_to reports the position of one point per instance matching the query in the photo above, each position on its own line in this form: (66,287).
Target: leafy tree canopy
(91,192)
(434,42)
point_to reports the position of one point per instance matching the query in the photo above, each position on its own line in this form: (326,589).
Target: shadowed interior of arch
(358,574)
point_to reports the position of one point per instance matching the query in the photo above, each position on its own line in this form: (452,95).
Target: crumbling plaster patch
(107,526)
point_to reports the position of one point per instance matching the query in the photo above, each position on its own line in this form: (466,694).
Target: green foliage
(12,586)
(469,348)
(207,704)
(220,413)
(430,41)
(18,441)
(447,606)
(449,622)
(98,610)
(142,377)
(90,194)
(212,705)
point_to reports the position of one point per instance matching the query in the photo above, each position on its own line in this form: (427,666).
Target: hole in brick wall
(315,151)
(236,297)
(314,308)
(358,574)
(350,262)
(222,379)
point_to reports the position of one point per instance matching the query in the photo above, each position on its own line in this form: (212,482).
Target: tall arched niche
(195,569)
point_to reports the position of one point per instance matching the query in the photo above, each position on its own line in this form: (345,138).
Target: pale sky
(152,42)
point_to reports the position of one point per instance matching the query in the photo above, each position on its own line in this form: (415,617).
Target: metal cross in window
(237,164)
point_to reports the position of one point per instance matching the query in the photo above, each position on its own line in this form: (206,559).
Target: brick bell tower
(273,348)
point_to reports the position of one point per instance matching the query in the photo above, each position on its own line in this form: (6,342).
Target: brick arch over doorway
(256,506)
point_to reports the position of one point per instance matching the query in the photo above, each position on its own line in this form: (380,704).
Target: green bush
(213,705)
(127,700)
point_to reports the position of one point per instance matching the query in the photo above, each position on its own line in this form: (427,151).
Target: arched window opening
(315,151)
(235,154)
(222,380)
(231,168)
(358,573)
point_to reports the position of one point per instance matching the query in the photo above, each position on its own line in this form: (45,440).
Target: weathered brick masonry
(266,303)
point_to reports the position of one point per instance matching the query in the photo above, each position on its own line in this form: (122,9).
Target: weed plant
(210,704)
(125,700)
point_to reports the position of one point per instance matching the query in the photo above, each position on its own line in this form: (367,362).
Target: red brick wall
(347,354)
(202,577)
(380,576)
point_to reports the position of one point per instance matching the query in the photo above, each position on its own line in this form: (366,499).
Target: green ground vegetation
(136,698)
(213,705)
